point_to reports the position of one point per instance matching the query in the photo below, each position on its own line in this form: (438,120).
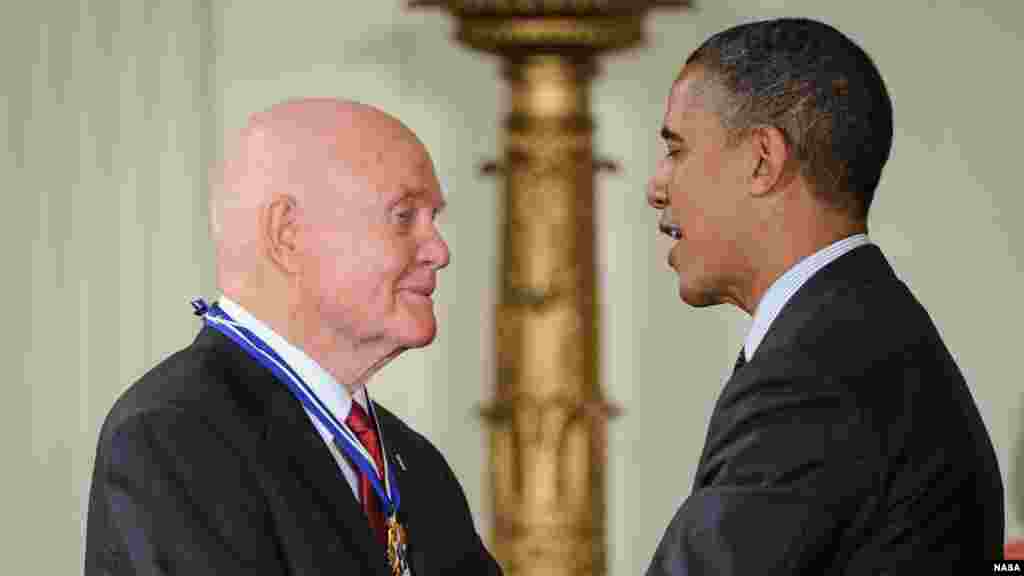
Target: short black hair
(819,88)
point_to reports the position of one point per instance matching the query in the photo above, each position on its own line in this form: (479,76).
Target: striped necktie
(359,422)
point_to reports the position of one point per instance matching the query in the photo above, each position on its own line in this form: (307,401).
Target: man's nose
(656,195)
(435,252)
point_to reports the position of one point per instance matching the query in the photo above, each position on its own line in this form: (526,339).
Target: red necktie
(359,422)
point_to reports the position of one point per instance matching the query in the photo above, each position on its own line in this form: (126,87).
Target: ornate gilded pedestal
(549,418)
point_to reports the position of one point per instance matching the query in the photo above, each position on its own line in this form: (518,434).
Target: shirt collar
(335,396)
(780,292)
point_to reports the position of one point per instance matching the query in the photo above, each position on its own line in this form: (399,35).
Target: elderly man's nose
(435,251)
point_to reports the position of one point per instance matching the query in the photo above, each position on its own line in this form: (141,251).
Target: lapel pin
(400,462)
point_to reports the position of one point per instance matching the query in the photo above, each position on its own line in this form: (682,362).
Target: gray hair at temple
(816,86)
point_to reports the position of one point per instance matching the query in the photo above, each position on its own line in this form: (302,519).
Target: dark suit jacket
(209,465)
(849,444)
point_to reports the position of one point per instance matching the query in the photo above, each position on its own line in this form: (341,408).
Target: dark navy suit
(848,444)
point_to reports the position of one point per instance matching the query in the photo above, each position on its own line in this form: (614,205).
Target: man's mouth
(425,290)
(672,231)
(676,234)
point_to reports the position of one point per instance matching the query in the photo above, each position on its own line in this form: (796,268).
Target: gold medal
(396,547)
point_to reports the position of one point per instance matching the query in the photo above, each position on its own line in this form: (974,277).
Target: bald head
(297,148)
(324,222)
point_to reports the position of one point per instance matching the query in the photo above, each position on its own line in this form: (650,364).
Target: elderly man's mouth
(420,292)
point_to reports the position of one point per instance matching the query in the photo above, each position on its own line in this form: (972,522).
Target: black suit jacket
(209,465)
(849,444)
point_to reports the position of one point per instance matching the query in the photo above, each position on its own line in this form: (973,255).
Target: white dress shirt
(334,396)
(779,293)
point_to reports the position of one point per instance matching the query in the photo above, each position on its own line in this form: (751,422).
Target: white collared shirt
(333,395)
(779,293)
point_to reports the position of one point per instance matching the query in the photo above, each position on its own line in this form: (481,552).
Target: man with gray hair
(257,449)
(846,440)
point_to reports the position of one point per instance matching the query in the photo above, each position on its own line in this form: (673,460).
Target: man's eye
(672,153)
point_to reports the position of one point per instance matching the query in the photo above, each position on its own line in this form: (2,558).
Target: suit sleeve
(785,464)
(170,496)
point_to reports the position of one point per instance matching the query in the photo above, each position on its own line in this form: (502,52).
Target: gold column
(548,446)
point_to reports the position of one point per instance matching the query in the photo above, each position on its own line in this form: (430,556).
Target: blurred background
(114,109)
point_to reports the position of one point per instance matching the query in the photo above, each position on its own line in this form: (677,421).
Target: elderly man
(256,450)
(846,440)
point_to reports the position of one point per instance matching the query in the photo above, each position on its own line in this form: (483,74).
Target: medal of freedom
(397,548)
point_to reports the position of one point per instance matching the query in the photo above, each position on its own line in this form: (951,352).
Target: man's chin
(694,297)
(419,334)
(416,320)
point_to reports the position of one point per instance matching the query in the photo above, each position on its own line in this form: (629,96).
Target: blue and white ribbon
(344,438)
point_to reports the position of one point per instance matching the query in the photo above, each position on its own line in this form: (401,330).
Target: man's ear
(279,227)
(772,159)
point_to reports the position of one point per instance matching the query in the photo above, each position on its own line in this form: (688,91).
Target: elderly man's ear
(279,228)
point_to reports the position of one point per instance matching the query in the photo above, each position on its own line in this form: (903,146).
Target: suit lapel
(396,448)
(289,433)
(310,462)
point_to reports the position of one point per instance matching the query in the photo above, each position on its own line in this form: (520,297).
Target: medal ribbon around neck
(344,438)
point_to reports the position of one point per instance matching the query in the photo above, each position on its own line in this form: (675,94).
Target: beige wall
(103,239)
(113,109)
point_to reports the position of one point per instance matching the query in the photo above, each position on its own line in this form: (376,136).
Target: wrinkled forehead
(379,169)
(388,161)
(382,154)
